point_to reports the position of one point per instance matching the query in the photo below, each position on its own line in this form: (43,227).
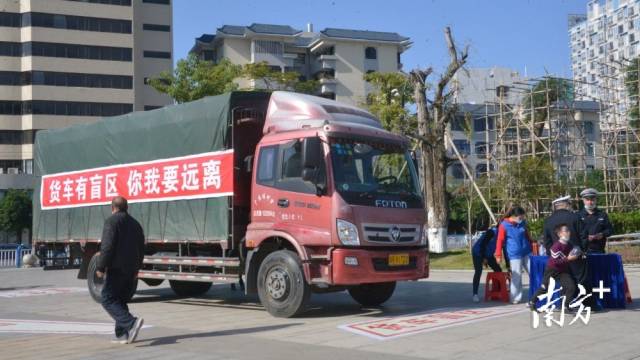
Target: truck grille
(382,264)
(383,233)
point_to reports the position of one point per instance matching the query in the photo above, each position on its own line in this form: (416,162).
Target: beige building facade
(65,62)
(338,58)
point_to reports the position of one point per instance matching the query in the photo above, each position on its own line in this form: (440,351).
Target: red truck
(283,193)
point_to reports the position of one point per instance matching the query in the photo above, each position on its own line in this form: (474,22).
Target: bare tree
(433,117)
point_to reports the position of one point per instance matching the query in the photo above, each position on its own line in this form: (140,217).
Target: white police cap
(561,199)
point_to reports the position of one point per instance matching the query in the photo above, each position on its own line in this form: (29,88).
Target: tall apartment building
(65,62)
(602,43)
(338,58)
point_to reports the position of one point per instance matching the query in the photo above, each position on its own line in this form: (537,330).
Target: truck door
(303,210)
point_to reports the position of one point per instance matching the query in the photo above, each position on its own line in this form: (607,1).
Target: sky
(525,35)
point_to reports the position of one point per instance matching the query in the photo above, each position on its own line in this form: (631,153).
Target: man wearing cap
(564,214)
(596,222)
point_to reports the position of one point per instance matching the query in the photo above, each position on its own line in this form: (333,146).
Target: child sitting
(558,266)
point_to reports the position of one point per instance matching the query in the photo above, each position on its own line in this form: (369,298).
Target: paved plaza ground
(50,315)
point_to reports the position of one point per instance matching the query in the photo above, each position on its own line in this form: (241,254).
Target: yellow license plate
(398,259)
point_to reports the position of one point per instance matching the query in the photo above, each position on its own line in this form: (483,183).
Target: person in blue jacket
(513,234)
(482,252)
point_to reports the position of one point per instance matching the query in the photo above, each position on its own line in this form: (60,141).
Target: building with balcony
(337,58)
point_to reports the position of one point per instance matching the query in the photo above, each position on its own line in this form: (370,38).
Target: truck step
(199,261)
(201,277)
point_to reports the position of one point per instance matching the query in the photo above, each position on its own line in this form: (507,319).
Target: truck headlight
(424,239)
(347,233)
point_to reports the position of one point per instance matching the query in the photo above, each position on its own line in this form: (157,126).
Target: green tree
(15,211)
(391,92)
(194,78)
(270,79)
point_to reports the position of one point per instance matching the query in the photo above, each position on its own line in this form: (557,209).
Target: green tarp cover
(196,127)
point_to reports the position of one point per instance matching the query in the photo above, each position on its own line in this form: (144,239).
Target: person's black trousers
(115,295)
(565,280)
(580,271)
(477,266)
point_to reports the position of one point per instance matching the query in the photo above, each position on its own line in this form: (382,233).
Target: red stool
(627,292)
(496,287)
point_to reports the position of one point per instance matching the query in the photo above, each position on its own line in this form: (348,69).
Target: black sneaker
(133,333)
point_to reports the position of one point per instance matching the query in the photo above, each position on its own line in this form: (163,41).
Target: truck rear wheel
(372,294)
(96,284)
(282,288)
(189,288)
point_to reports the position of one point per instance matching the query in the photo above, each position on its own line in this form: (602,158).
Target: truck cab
(335,205)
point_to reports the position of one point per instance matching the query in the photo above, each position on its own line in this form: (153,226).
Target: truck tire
(95,283)
(282,288)
(189,288)
(153,282)
(372,294)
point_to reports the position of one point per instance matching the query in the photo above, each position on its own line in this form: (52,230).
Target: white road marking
(394,327)
(40,292)
(56,327)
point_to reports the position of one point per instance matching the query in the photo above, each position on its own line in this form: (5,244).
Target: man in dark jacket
(596,222)
(121,255)
(563,214)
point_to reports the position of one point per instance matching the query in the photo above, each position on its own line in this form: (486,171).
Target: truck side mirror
(414,158)
(312,153)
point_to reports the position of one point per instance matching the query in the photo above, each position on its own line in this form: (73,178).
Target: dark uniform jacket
(596,223)
(122,245)
(572,220)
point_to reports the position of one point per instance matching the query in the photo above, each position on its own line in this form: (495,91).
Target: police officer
(564,214)
(596,222)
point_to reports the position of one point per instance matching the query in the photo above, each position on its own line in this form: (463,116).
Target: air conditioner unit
(13,171)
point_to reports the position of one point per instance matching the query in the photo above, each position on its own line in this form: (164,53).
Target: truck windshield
(374,174)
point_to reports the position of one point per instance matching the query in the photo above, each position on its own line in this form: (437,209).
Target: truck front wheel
(282,288)
(189,288)
(372,294)
(96,284)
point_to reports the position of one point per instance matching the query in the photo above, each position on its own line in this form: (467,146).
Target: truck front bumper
(362,266)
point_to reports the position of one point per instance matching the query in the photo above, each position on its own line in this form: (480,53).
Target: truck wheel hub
(277,281)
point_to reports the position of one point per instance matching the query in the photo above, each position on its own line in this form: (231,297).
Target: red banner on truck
(188,177)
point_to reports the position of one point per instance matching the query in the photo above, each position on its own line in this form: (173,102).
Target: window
(9,49)
(76,51)
(481,169)
(152,107)
(268,47)
(107,2)
(370,53)
(51,78)
(71,22)
(208,55)
(161,2)
(482,149)
(290,178)
(44,107)
(463,146)
(267,165)
(9,19)
(157,54)
(10,78)
(457,171)
(620,29)
(458,123)
(589,149)
(156,27)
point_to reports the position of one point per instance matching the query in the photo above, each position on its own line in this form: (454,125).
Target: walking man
(121,255)
(596,222)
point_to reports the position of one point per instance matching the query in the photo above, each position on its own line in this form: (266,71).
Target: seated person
(557,267)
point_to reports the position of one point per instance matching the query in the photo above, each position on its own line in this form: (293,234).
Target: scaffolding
(575,137)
